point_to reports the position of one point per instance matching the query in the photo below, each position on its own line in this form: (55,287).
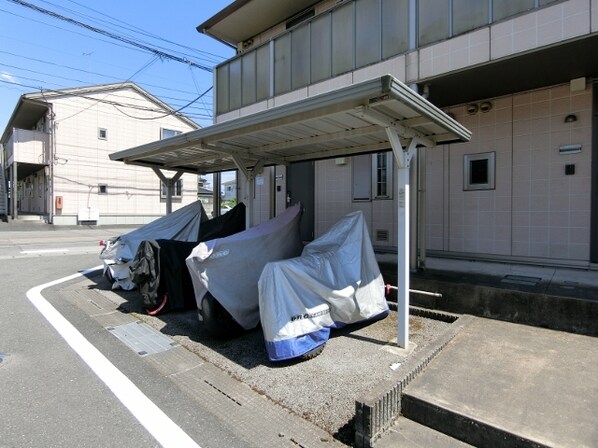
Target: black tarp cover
(159,265)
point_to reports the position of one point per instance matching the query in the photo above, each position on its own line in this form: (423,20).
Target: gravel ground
(323,389)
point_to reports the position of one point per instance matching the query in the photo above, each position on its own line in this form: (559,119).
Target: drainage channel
(521,280)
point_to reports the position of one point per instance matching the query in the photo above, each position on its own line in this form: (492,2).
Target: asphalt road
(49,397)
(67,381)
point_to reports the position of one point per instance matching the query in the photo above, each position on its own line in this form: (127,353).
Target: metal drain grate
(521,280)
(142,339)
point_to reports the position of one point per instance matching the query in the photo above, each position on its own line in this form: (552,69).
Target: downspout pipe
(4,197)
(52,154)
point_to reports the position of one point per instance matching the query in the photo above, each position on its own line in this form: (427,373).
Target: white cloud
(8,77)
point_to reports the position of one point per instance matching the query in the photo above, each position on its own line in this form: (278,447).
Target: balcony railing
(26,146)
(352,35)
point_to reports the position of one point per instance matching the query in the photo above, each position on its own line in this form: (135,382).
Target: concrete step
(448,422)
(31,218)
(499,384)
(406,433)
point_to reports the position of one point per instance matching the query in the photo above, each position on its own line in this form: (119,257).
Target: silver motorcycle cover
(229,268)
(335,282)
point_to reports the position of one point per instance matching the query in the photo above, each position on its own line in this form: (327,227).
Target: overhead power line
(117,104)
(160,53)
(206,109)
(130,27)
(110,77)
(176,112)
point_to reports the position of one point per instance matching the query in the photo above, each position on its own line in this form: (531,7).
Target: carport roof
(348,121)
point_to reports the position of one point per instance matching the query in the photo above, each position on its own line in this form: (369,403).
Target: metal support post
(403,257)
(403,158)
(14,195)
(250,187)
(170,183)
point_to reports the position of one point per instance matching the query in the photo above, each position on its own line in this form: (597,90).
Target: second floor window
(167,133)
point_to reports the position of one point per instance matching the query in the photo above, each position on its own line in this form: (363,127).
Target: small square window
(102,189)
(102,134)
(479,171)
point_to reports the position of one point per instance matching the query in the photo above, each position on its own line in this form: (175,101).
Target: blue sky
(40,51)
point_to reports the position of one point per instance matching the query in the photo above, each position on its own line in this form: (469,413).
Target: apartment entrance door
(300,188)
(594,177)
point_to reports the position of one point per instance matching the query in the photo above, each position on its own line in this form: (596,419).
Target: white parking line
(43,251)
(155,421)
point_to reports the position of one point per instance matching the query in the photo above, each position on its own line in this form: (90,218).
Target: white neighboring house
(229,190)
(56,162)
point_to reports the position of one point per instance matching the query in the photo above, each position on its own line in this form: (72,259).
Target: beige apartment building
(498,133)
(518,74)
(56,161)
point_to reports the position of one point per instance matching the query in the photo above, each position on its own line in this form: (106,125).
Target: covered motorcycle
(159,269)
(225,271)
(336,281)
(182,225)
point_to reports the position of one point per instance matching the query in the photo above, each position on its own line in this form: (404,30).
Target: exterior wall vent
(301,17)
(382,235)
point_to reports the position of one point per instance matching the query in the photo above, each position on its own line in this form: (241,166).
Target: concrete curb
(539,309)
(376,410)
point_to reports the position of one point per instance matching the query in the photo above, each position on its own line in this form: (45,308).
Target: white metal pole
(169,190)
(14,196)
(249,181)
(403,158)
(251,185)
(403,256)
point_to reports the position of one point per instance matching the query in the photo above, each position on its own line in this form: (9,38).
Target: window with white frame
(479,171)
(167,133)
(177,191)
(362,177)
(103,134)
(372,176)
(382,175)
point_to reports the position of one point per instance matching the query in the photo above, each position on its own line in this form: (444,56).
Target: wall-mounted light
(570,118)
(570,149)
(472,109)
(486,106)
